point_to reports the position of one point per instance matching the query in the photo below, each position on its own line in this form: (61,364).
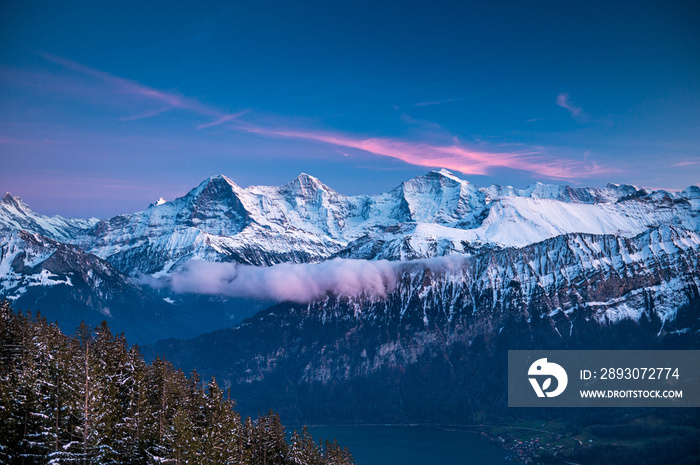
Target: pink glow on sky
(453,157)
(126,86)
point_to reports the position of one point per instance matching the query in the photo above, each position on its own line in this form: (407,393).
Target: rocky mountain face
(436,348)
(69,285)
(474,272)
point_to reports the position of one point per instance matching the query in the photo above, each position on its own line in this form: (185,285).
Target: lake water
(413,445)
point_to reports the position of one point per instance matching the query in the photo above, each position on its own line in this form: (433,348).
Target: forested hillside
(92,399)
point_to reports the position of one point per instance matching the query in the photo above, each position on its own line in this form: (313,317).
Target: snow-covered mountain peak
(14,202)
(17,215)
(446,174)
(304,185)
(308,180)
(587,195)
(440,197)
(431,181)
(539,190)
(216,197)
(626,188)
(691,192)
(305,221)
(215,184)
(616,192)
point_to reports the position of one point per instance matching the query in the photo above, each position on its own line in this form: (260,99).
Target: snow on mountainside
(217,221)
(71,286)
(638,240)
(440,338)
(16,215)
(28,260)
(306,221)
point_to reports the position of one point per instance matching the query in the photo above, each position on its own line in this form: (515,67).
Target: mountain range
(312,294)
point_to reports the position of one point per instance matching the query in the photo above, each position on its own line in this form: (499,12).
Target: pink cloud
(223,119)
(457,156)
(564,102)
(125,86)
(284,282)
(686,163)
(454,157)
(298,282)
(148,114)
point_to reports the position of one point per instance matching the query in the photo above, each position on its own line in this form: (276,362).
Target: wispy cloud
(429,103)
(455,156)
(564,102)
(686,163)
(148,114)
(12,141)
(127,86)
(223,119)
(171,100)
(408,119)
(437,102)
(32,142)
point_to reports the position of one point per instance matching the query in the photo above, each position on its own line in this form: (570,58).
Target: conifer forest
(92,399)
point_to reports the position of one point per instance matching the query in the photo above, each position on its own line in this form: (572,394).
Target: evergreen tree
(90,399)
(31,409)
(336,455)
(223,437)
(303,450)
(134,429)
(271,442)
(58,391)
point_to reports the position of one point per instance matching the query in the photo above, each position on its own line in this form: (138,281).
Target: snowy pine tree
(90,399)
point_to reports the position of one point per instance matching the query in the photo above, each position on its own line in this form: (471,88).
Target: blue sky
(104,107)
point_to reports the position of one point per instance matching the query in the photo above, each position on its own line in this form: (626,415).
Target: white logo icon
(542,367)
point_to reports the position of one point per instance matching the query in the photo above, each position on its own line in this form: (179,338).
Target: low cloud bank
(298,282)
(287,282)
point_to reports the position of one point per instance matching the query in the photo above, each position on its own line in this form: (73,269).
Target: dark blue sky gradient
(104,107)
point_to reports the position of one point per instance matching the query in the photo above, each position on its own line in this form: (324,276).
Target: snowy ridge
(16,215)
(608,274)
(306,221)
(609,251)
(566,289)
(17,255)
(614,277)
(575,291)
(29,259)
